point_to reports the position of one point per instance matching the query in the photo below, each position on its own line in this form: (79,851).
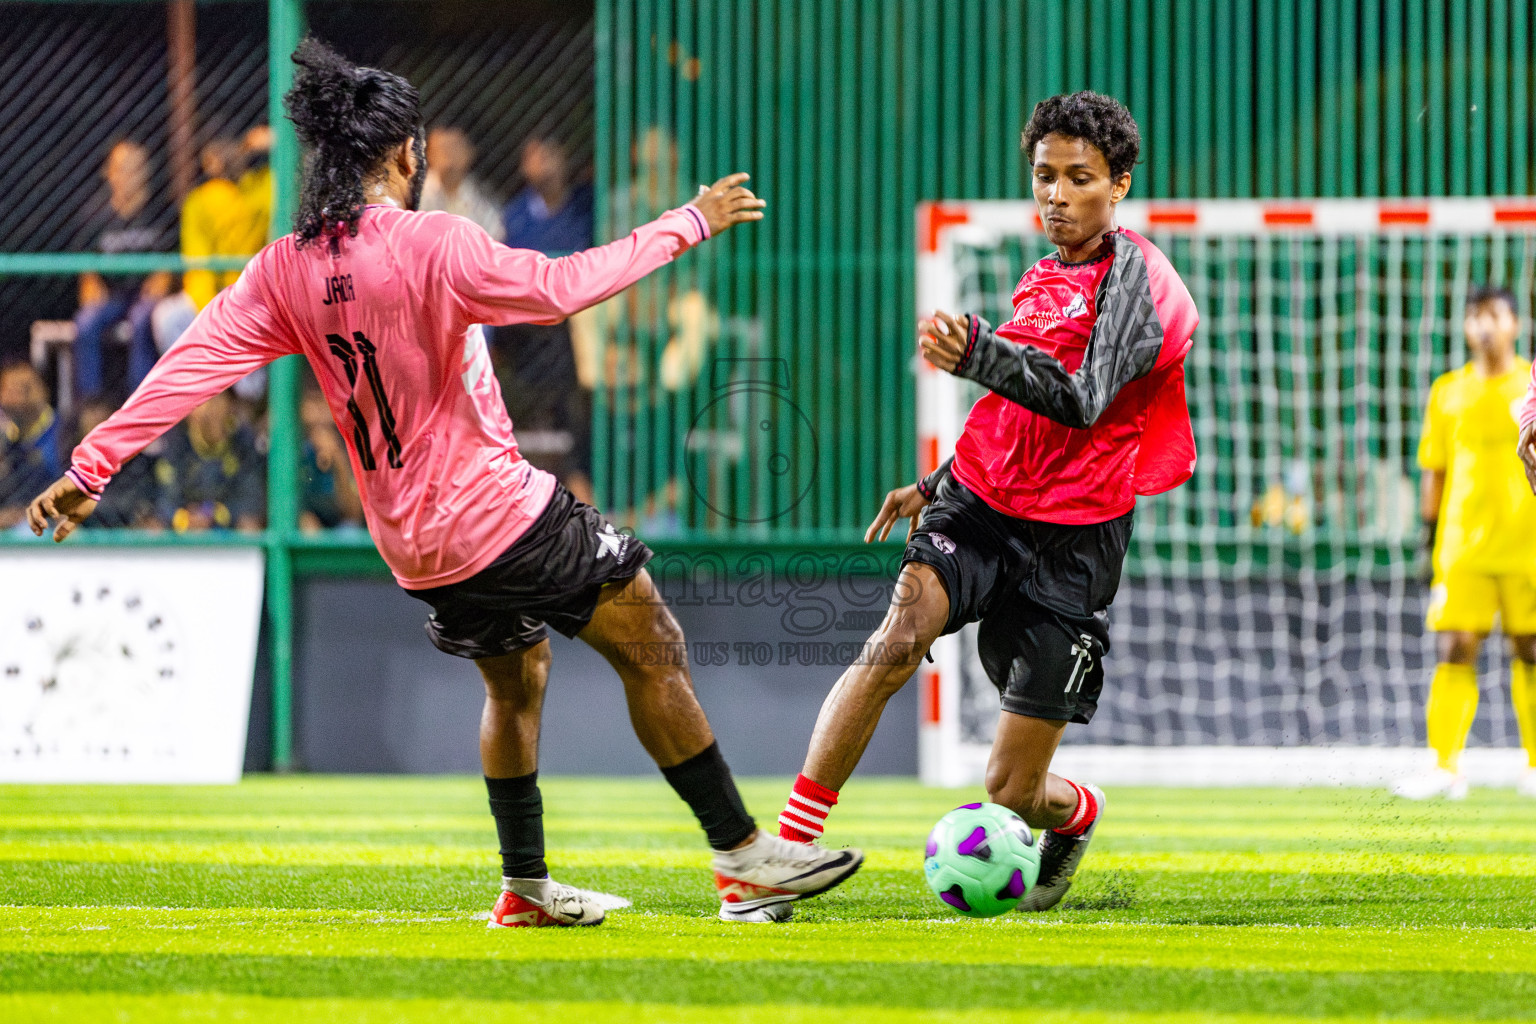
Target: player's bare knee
(518,680)
(1459,648)
(891,655)
(525,702)
(884,680)
(1022,792)
(1523,648)
(668,647)
(900,640)
(666,627)
(998,784)
(656,656)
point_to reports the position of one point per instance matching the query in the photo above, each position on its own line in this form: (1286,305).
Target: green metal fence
(848,112)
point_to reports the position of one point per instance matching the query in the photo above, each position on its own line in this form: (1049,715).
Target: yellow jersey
(216,220)
(256,186)
(1487,512)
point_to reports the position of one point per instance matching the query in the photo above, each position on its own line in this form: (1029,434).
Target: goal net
(1271,615)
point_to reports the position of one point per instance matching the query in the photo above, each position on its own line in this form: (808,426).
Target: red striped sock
(806,812)
(1082,816)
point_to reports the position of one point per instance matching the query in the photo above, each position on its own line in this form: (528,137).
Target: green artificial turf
(306,898)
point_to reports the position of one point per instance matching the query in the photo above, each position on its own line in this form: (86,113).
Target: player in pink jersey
(385,303)
(1526,446)
(1025,530)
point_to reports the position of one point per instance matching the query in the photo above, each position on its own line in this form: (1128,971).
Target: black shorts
(551,575)
(1041,592)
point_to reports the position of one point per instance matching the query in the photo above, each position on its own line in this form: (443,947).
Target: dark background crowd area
(507,94)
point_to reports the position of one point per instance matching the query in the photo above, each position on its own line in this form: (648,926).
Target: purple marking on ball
(969,843)
(955,900)
(969,807)
(933,846)
(1016,884)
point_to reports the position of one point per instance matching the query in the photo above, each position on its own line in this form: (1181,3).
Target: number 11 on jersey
(348,354)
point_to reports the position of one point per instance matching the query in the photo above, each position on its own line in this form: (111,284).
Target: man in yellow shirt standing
(256,180)
(1481,517)
(216,220)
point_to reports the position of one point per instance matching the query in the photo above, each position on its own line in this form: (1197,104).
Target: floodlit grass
(307,899)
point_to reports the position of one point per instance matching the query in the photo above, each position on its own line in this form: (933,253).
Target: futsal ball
(981,860)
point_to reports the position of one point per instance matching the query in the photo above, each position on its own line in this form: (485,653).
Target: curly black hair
(1094,118)
(348,118)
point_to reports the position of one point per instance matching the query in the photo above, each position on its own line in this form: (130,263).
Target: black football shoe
(1059,859)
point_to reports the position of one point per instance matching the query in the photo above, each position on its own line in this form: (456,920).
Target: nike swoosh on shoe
(842,859)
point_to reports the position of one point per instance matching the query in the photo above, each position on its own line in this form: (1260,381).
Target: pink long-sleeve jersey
(1526,413)
(388,321)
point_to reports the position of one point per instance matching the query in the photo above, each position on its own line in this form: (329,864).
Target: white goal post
(1270,626)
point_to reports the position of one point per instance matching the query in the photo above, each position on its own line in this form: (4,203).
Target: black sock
(519,813)
(705,784)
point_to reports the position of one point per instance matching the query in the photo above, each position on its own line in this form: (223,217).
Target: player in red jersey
(1025,529)
(386,304)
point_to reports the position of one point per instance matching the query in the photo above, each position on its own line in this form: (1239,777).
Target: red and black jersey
(1085,408)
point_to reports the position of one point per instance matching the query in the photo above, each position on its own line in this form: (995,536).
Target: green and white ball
(981,860)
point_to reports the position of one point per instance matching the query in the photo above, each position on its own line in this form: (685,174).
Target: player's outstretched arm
(1126,342)
(966,347)
(495,284)
(64,504)
(235,334)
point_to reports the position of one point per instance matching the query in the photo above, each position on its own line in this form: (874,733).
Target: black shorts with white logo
(551,575)
(1041,592)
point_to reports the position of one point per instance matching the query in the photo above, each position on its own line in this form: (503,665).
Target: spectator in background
(535,362)
(451,188)
(648,342)
(256,188)
(552,213)
(130,501)
(216,220)
(256,178)
(653,168)
(680,309)
(29,441)
(107,300)
(211,476)
(330,498)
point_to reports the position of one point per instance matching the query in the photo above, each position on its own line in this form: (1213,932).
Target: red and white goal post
(1269,627)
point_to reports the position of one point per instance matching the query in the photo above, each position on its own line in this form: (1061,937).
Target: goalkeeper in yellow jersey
(1481,519)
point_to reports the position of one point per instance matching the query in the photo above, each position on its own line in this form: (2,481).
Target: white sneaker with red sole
(773,913)
(545,903)
(769,871)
